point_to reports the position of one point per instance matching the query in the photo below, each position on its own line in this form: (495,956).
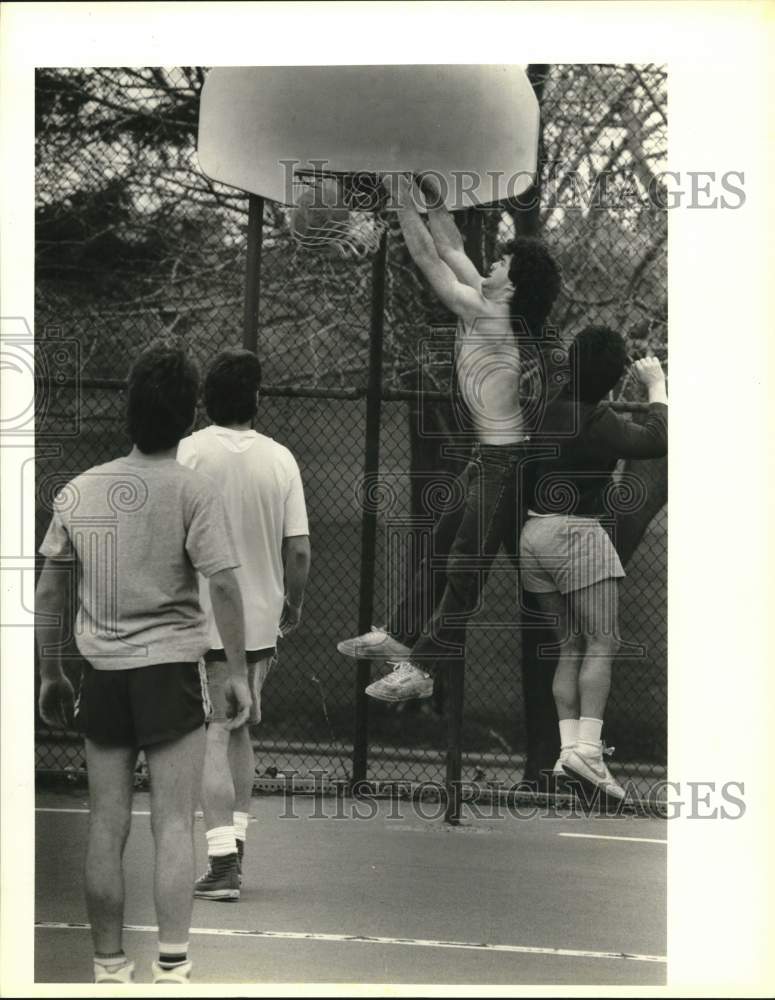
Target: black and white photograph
(359,651)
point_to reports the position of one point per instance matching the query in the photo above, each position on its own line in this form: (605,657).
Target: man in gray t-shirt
(132,534)
(154,524)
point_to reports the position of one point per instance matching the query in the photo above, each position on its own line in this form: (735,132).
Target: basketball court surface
(531,896)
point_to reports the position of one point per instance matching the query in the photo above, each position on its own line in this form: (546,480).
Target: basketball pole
(455,679)
(253,272)
(369,516)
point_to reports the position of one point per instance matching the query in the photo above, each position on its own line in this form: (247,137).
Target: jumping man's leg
(423,589)
(566,673)
(570,647)
(477,541)
(427,585)
(596,612)
(595,609)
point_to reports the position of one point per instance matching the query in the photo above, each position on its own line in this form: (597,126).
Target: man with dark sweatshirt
(567,559)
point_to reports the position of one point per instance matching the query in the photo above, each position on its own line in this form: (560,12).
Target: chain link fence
(134,243)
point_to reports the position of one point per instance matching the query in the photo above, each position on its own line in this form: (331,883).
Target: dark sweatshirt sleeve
(611,436)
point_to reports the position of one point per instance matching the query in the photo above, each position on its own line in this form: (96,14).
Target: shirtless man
(514,299)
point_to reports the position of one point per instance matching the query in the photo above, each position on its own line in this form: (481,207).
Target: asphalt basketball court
(333,894)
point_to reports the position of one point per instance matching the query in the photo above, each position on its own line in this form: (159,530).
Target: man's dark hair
(536,277)
(161,401)
(597,357)
(231,385)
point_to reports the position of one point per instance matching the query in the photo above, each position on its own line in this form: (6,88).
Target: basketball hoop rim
(359,190)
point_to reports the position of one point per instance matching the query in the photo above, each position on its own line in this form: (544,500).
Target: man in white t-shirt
(261,486)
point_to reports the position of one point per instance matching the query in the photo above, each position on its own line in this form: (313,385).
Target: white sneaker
(123,974)
(181,974)
(588,765)
(404,683)
(559,768)
(374,645)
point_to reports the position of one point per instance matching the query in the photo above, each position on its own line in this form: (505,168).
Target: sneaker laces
(607,751)
(400,668)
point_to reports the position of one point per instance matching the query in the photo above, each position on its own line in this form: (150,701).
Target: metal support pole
(369,517)
(455,682)
(543,741)
(253,272)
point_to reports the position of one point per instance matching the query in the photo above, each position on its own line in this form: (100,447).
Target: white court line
(604,836)
(41,809)
(586,836)
(519,949)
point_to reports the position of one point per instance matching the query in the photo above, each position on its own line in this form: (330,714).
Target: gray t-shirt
(140,529)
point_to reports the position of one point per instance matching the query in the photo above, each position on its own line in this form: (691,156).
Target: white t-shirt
(264,498)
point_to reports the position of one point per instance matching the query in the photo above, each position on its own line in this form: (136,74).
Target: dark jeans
(446,590)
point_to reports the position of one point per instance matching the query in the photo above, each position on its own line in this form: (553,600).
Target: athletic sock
(221,841)
(590,731)
(569,732)
(173,955)
(112,962)
(241,826)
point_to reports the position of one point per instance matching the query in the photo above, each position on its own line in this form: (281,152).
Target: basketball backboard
(475,125)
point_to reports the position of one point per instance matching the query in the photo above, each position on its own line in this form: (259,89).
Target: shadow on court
(328,897)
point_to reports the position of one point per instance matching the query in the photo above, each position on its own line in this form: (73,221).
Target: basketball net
(339,213)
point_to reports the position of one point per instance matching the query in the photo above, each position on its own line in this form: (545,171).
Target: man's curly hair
(597,357)
(537,281)
(161,398)
(231,384)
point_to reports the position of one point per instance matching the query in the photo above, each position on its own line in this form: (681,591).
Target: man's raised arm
(461,299)
(446,235)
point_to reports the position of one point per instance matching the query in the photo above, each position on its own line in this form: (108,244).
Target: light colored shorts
(565,553)
(218,674)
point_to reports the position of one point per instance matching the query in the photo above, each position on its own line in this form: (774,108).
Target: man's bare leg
(217,782)
(175,771)
(111,777)
(221,881)
(243,768)
(242,764)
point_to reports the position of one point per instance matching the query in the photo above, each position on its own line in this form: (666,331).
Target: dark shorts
(142,706)
(260,662)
